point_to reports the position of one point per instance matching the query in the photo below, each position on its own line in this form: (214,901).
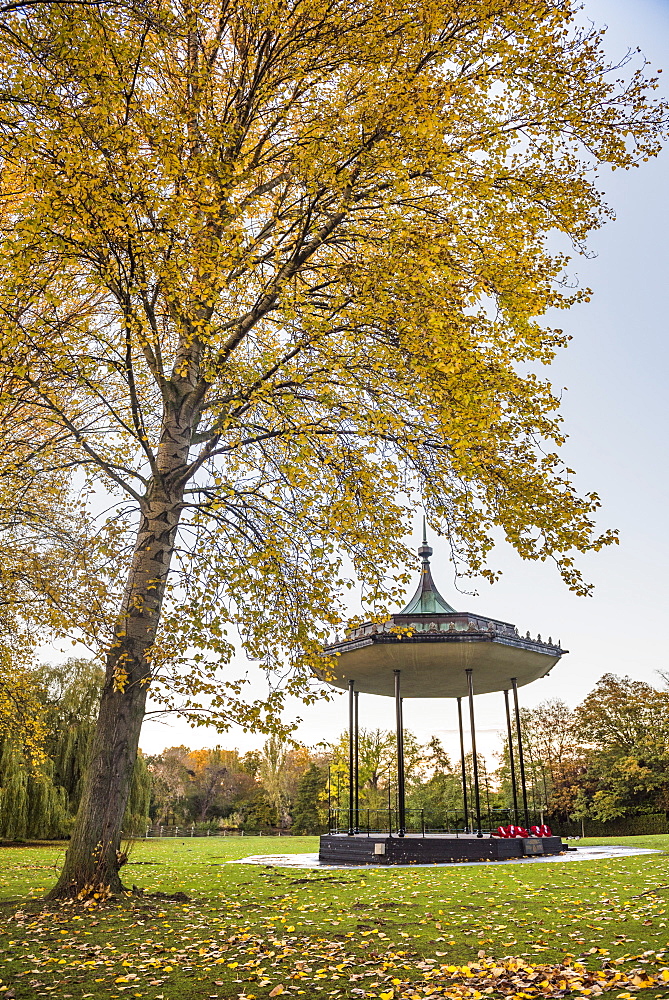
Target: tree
(171,774)
(377,762)
(71,695)
(14,795)
(377,773)
(553,758)
(272,775)
(269,266)
(40,790)
(260,813)
(440,793)
(43,753)
(218,781)
(624,726)
(21,713)
(308,815)
(139,800)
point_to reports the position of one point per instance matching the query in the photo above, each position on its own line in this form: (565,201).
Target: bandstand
(429,650)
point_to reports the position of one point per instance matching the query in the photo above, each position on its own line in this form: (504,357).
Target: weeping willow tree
(71,693)
(31,805)
(137,810)
(40,795)
(13,794)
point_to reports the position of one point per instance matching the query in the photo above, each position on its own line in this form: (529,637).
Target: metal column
(390,804)
(401,819)
(477,795)
(351,701)
(356,757)
(511,760)
(329,800)
(462,765)
(521,760)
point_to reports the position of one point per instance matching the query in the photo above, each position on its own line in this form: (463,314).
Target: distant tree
(39,797)
(607,758)
(40,792)
(556,753)
(439,794)
(71,694)
(136,815)
(251,762)
(308,811)
(48,814)
(273,776)
(624,726)
(21,709)
(377,765)
(172,775)
(32,805)
(260,813)
(209,771)
(553,753)
(377,772)
(13,794)
(436,759)
(299,759)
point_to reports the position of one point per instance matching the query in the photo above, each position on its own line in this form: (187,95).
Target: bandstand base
(433,848)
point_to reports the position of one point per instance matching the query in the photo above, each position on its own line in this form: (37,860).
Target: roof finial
(425,551)
(427,600)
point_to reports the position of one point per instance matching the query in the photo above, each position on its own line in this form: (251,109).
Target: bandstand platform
(431,848)
(429,650)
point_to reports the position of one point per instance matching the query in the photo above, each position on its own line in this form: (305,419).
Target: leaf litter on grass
(300,965)
(454,934)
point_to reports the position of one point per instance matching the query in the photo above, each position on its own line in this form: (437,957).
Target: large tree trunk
(93,858)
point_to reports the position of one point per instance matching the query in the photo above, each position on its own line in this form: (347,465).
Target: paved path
(597,853)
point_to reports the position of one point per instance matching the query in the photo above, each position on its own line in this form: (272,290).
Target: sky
(616,401)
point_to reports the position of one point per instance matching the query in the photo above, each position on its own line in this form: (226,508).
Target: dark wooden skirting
(380,849)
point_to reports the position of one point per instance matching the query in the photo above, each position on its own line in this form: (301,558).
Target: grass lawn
(256,932)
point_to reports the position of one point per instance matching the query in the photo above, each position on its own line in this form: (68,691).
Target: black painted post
(337,810)
(401,822)
(477,794)
(390,807)
(329,800)
(521,760)
(350,757)
(511,760)
(462,765)
(356,755)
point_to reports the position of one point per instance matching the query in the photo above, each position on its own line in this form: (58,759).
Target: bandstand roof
(433,646)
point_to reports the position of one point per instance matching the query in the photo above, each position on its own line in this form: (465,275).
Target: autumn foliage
(272,272)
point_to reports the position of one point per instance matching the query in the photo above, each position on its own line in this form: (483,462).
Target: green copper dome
(427,600)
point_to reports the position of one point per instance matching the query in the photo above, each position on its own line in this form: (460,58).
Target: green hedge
(626,826)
